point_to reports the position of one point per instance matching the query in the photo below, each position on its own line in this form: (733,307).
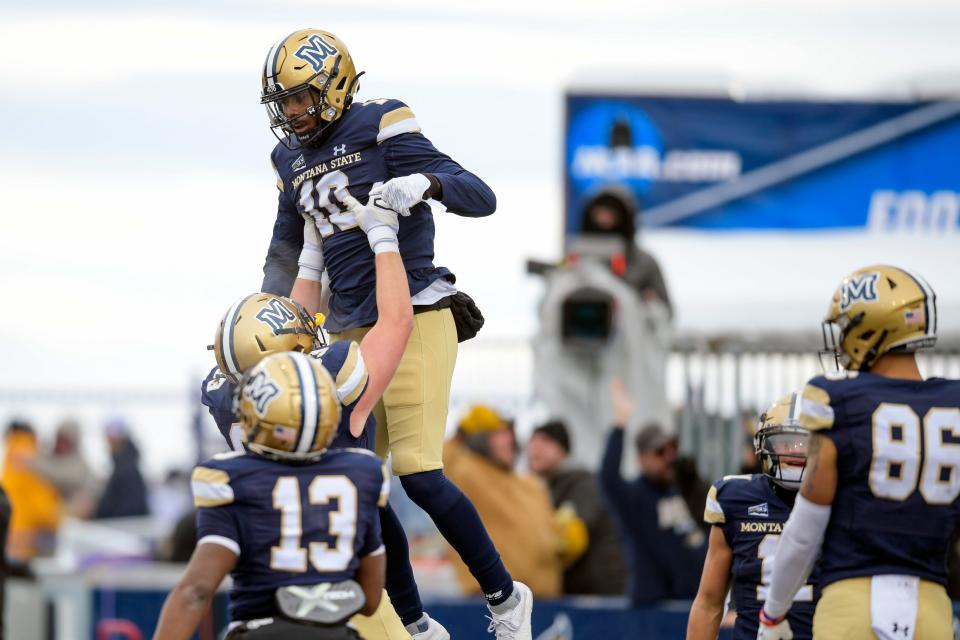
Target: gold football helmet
(878,310)
(261,324)
(781,443)
(288,407)
(313,61)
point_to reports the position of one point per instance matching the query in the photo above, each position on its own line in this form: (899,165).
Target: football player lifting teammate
(259,325)
(332,148)
(878,503)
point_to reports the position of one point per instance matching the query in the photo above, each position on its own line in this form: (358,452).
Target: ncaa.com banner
(715,163)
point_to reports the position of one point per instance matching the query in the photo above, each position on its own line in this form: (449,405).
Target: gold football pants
(412,415)
(843,612)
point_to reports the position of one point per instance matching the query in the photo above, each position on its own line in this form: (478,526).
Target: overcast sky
(137,196)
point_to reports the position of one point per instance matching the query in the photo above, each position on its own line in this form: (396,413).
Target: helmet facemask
(317,86)
(782,452)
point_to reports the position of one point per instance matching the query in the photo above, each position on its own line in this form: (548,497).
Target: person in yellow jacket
(34,501)
(515,508)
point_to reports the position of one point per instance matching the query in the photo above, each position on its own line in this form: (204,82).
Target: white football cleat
(514,624)
(428,629)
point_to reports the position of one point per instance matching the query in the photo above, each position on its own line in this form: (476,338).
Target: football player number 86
(342,524)
(897,469)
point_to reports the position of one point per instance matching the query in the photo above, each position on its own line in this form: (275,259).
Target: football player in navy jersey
(747,513)
(879,494)
(332,148)
(259,325)
(287,518)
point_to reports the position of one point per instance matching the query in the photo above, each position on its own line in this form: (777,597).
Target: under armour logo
(905,629)
(340,150)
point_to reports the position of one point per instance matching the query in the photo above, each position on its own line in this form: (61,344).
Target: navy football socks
(460,524)
(401,585)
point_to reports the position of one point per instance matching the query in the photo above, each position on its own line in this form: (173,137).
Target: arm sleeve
(216,393)
(463,193)
(281,265)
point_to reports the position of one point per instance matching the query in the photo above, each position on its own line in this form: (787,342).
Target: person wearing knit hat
(485,433)
(515,508)
(592,556)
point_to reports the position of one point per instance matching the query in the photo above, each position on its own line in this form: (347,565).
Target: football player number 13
(897,469)
(289,555)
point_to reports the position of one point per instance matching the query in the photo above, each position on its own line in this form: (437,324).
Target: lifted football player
(332,148)
(747,513)
(879,494)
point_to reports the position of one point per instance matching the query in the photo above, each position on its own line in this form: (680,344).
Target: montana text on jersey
(368,145)
(751,512)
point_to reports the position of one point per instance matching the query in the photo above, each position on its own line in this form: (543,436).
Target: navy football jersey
(751,513)
(289,524)
(344,362)
(371,143)
(898,472)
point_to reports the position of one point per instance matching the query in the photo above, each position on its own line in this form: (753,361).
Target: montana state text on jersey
(751,513)
(368,145)
(896,508)
(345,364)
(264,510)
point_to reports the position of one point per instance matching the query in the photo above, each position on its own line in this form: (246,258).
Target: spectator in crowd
(613,212)
(65,468)
(592,556)
(664,546)
(516,509)
(4,567)
(125,494)
(34,501)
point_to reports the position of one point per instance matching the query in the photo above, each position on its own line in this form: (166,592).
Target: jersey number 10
(898,467)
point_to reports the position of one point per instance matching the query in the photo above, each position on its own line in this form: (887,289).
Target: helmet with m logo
(259,325)
(288,407)
(877,310)
(312,61)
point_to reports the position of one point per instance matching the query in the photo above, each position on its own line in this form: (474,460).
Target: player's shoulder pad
(210,482)
(819,396)
(285,162)
(713,512)
(394,117)
(351,376)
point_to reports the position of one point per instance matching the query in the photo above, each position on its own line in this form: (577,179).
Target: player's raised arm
(384,344)
(422,172)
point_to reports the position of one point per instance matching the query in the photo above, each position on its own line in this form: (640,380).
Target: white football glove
(402,193)
(770,630)
(378,222)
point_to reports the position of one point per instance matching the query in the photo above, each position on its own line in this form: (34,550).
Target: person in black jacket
(125,494)
(665,547)
(595,563)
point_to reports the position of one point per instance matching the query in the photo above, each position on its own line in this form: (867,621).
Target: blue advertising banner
(717,163)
